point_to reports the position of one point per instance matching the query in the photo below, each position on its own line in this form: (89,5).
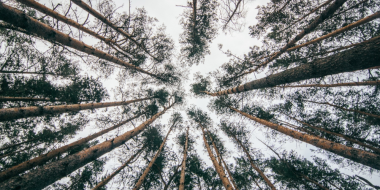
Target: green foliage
(198,33)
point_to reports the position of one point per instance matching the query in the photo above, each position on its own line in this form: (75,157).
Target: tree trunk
(341,30)
(45,175)
(339,135)
(357,58)
(172,177)
(142,178)
(365,83)
(229,173)
(182,180)
(233,13)
(312,11)
(253,165)
(13,145)
(20,19)
(99,16)
(20,168)
(7,114)
(218,168)
(345,109)
(105,181)
(322,17)
(360,156)
(294,171)
(34,4)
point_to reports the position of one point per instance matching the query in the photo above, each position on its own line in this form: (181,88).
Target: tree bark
(336,32)
(64,19)
(7,114)
(218,168)
(99,16)
(357,58)
(345,109)
(22,167)
(45,175)
(20,19)
(365,83)
(261,173)
(142,178)
(360,156)
(339,135)
(105,181)
(182,180)
(322,17)
(229,173)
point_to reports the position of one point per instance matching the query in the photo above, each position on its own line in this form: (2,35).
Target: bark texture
(182,179)
(20,19)
(105,181)
(357,58)
(229,173)
(142,177)
(22,167)
(7,114)
(45,175)
(366,158)
(322,17)
(345,109)
(365,83)
(218,168)
(377,150)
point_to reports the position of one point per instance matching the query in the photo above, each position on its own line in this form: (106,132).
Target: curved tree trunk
(99,16)
(365,83)
(261,173)
(142,177)
(360,156)
(22,167)
(358,58)
(218,168)
(182,180)
(45,175)
(105,181)
(345,109)
(20,19)
(7,114)
(339,135)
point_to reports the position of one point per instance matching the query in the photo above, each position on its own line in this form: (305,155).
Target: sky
(238,43)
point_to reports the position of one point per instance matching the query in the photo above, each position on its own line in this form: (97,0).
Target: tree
(202,119)
(175,121)
(51,173)
(183,168)
(234,132)
(199,30)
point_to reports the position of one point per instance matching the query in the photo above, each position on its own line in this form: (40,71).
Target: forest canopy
(101,94)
